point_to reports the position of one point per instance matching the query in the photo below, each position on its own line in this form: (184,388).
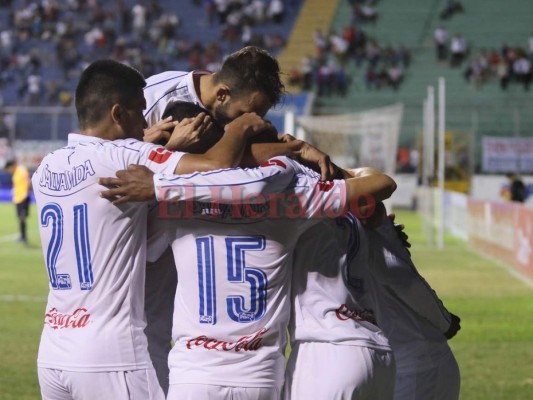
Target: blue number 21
(53,213)
(237,272)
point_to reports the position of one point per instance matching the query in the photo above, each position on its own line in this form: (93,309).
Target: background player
(21,194)
(412,317)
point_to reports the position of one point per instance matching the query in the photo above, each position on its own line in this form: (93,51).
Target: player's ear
(117,113)
(223,94)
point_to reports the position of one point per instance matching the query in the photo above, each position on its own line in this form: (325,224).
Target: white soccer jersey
(166,88)
(407,309)
(324,307)
(232,303)
(95,256)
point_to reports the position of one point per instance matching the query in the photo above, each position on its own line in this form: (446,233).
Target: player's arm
(236,185)
(365,191)
(227,153)
(297,149)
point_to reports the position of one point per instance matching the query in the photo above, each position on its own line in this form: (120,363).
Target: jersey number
(53,213)
(237,272)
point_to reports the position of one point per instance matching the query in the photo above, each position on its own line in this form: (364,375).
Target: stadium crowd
(326,70)
(44,45)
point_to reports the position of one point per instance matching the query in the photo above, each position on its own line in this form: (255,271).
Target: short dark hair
(182,109)
(10,163)
(103,84)
(252,69)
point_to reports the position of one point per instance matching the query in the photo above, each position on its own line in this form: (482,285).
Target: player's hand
(401,233)
(251,124)
(159,133)
(287,138)
(189,131)
(316,159)
(134,184)
(455,326)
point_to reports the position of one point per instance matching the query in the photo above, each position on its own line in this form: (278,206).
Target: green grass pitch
(494,347)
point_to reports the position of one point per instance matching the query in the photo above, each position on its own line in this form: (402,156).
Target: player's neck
(203,84)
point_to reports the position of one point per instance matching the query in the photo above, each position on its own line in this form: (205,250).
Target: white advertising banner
(504,154)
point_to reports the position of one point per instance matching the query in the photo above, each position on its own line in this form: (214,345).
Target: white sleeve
(230,186)
(391,265)
(131,151)
(317,199)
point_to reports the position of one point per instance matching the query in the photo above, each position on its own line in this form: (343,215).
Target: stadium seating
(484,24)
(193,27)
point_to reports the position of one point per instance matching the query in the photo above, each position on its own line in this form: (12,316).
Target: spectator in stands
(34,89)
(276,11)
(502,72)
(341,82)
(522,71)
(339,47)
(139,20)
(452,7)
(458,50)
(222,7)
(441,39)
(373,53)
(21,194)
(395,76)
(517,188)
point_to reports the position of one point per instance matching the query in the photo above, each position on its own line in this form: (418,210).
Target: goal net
(367,138)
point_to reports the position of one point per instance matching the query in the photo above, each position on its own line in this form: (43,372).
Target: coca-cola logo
(245,343)
(78,319)
(344,313)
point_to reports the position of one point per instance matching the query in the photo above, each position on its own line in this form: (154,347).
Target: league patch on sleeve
(159,156)
(273,162)
(325,186)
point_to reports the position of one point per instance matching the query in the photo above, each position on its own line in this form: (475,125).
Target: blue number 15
(52,213)
(237,272)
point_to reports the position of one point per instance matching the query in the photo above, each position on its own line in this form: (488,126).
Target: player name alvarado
(246,343)
(66,180)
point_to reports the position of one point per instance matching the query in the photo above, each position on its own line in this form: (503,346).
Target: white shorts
(117,385)
(441,381)
(325,371)
(160,290)
(184,391)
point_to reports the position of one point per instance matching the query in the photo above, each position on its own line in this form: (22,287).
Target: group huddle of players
(184,238)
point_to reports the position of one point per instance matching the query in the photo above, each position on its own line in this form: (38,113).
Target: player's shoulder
(299,169)
(164,77)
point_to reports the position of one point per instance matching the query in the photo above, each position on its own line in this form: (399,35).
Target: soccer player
(232,307)
(21,194)
(248,81)
(93,344)
(412,317)
(337,351)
